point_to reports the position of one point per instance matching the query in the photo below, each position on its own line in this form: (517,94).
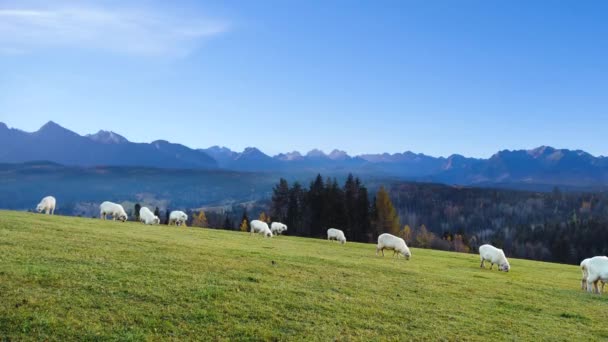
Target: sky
(433,77)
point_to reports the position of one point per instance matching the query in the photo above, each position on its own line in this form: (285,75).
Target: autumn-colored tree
(459,245)
(424,238)
(264,218)
(200,220)
(244,226)
(387,219)
(406,233)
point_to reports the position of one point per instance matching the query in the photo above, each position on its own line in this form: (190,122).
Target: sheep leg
(53,211)
(583,281)
(603,286)
(481,265)
(491,265)
(595,288)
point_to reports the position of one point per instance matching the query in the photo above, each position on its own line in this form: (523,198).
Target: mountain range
(539,166)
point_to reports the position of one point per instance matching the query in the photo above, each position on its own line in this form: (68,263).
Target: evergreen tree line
(310,211)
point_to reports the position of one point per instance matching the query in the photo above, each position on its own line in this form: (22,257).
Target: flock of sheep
(594,269)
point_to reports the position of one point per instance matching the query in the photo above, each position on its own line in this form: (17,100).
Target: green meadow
(67,278)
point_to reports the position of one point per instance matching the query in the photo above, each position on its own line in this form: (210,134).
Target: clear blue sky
(437,77)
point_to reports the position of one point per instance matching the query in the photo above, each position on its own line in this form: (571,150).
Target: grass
(65,278)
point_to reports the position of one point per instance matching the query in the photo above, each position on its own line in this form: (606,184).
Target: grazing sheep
(148,217)
(178,218)
(47,205)
(336,234)
(260,227)
(597,270)
(584,279)
(116,210)
(277,228)
(397,244)
(494,256)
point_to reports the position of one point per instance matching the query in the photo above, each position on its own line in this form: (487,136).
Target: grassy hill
(65,278)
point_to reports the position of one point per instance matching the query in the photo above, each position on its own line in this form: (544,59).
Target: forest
(555,226)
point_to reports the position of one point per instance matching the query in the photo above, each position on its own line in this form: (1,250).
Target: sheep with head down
(336,234)
(494,256)
(585,273)
(114,209)
(147,216)
(392,242)
(47,205)
(177,218)
(260,227)
(596,271)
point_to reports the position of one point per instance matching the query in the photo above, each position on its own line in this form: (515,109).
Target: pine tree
(315,203)
(295,210)
(280,201)
(136,213)
(363,231)
(387,218)
(334,209)
(350,207)
(227,223)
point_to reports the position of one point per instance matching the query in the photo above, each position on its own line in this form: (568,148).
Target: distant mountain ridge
(57,144)
(543,165)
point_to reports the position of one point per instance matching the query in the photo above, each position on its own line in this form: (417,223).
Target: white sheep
(114,209)
(47,205)
(494,256)
(336,234)
(178,218)
(397,244)
(147,217)
(584,278)
(597,270)
(277,228)
(260,227)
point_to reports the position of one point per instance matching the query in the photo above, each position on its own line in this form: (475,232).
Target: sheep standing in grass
(116,210)
(397,244)
(260,227)
(47,205)
(494,256)
(597,270)
(177,217)
(584,279)
(147,217)
(336,234)
(277,228)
